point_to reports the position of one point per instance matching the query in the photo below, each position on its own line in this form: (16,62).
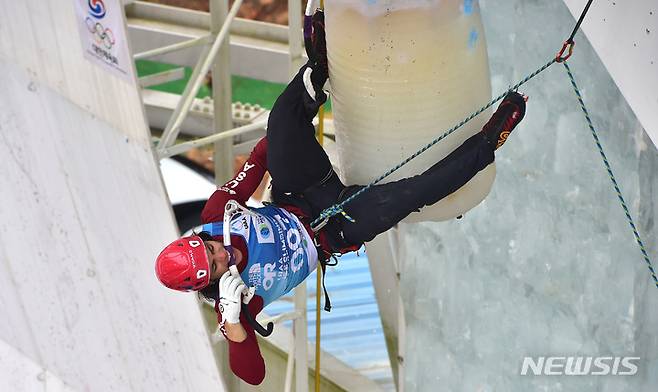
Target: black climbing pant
(299,166)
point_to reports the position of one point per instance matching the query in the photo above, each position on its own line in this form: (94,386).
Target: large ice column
(402,73)
(83,214)
(547,264)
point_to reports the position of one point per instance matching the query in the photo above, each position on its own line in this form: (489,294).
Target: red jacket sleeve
(239,188)
(244,358)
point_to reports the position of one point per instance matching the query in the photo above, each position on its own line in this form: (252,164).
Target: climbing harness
(561,57)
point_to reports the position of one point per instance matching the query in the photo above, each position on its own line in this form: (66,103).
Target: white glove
(230,292)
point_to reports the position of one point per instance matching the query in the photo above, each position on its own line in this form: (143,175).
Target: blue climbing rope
(612,176)
(336,209)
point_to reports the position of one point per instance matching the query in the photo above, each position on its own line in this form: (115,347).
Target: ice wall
(547,264)
(638,45)
(83,213)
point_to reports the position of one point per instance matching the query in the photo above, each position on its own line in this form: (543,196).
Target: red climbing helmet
(183,265)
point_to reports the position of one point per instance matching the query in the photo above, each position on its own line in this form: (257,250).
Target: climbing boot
(319,44)
(315,76)
(509,114)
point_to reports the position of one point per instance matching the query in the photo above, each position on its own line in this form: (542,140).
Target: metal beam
(258,49)
(295,40)
(183,147)
(221,89)
(300,326)
(384,259)
(172,48)
(162,77)
(200,71)
(290,365)
(146,13)
(160,106)
(278,319)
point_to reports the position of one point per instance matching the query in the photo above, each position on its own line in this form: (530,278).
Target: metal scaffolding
(215,53)
(215,56)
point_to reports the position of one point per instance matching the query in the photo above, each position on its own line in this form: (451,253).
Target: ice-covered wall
(83,213)
(625,33)
(547,264)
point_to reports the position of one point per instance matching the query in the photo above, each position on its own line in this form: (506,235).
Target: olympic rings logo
(96,8)
(101,34)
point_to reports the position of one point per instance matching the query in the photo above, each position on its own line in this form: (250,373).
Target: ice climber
(275,248)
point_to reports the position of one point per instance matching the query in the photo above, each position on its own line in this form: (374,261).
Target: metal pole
(318,313)
(401,345)
(200,71)
(281,318)
(290,364)
(221,88)
(162,77)
(399,257)
(295,39)
(183,147)
(301,339)
(172,47)
(396,350)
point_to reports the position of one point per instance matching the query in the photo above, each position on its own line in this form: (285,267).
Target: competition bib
(281,253)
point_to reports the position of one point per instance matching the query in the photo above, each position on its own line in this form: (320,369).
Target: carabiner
(320,225)
(567,44)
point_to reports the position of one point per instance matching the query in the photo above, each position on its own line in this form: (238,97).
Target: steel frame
(173,47)
(203,66)
(297,354)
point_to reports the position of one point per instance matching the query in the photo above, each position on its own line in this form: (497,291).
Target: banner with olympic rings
(103,35)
